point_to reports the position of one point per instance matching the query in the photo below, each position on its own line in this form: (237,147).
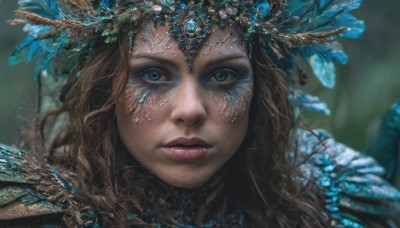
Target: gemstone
(263,8)
(168,2)
(191,26)
(244,21)
(191,5)
(325,181)
(231,10)
(135,16)
(212,2)
(222,14)
(211,11)
(108,3)
(191,13)
(157,8)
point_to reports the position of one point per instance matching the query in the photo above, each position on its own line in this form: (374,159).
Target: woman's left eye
(223,76)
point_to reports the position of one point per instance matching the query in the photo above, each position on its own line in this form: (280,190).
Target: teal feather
(320,15)
(348,180)
(385,145)
(33,49)
(322,68)
(45,8)
(44,49)
(383,208)
(371,191)
(321,57)
(14,57)
(9,194)
(310,103)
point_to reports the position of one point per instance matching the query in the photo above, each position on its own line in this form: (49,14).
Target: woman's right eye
(152,75)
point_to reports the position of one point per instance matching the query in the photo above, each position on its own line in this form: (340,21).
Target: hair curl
(105,169)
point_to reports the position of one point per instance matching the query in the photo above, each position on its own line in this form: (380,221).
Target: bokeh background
(366,87)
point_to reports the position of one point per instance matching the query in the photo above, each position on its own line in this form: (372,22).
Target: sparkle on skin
(231,103)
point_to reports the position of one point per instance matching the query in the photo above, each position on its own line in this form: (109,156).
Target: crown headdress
(286,29)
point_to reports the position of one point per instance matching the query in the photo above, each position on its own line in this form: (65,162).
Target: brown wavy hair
(261,174)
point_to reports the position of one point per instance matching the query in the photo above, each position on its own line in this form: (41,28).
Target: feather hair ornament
(288,30)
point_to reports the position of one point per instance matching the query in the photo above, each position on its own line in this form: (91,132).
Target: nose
(189,105)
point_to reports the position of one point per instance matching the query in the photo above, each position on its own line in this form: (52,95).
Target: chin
(185,179)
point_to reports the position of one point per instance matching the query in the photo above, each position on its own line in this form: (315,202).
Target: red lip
(186,149)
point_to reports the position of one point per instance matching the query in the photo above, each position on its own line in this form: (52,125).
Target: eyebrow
(166,60)
(161,59)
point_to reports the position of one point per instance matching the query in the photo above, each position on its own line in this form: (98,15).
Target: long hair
(105,171)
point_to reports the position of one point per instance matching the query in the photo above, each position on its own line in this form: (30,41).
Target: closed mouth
(188,142)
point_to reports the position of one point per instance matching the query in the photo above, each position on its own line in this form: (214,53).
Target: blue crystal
(263,7)
(168,2)
(184,6)
(108,3)
(332,208)
(329,168)
(191,26)
(325,181)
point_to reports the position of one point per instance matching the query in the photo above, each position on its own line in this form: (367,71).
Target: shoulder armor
(22,187)
(350,183)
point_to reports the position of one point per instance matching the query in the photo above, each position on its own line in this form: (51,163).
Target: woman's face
(184,126)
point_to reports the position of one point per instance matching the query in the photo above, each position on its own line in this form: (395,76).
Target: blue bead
(191,26)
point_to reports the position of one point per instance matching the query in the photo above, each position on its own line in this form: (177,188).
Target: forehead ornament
(63,34)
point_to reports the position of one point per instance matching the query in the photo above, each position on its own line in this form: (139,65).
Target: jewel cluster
(191,21)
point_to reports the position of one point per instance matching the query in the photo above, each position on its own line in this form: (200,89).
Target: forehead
(155,40)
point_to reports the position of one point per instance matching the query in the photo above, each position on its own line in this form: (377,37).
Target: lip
(186,149)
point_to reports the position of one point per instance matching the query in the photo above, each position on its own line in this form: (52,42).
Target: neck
(204,206)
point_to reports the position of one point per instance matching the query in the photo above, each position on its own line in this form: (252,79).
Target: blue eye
(153,75)
(223,77)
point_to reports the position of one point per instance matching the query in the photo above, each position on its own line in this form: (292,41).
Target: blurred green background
(366,87)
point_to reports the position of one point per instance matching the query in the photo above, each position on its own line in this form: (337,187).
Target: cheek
(233,105)
(141,103)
